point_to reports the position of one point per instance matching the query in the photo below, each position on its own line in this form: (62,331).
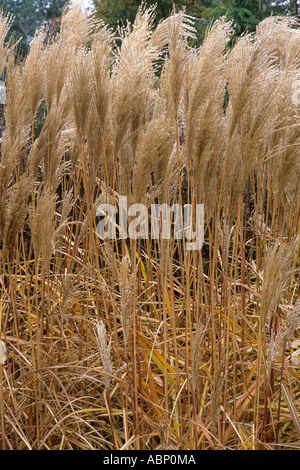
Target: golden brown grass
(142,344)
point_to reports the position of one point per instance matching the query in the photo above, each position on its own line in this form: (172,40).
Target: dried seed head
(16,210)
(274,348)
(43,225)
(276,274)
(197,354)
(2,352)
(127,286)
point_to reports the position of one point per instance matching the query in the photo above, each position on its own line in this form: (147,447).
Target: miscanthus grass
(142,344)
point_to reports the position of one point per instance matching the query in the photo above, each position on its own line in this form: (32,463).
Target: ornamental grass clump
(134,342)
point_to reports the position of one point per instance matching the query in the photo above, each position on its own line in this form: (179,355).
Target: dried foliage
(142,344)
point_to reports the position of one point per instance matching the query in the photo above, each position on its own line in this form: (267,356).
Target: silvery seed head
(2,353)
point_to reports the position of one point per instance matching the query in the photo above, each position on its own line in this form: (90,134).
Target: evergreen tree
(29,15)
